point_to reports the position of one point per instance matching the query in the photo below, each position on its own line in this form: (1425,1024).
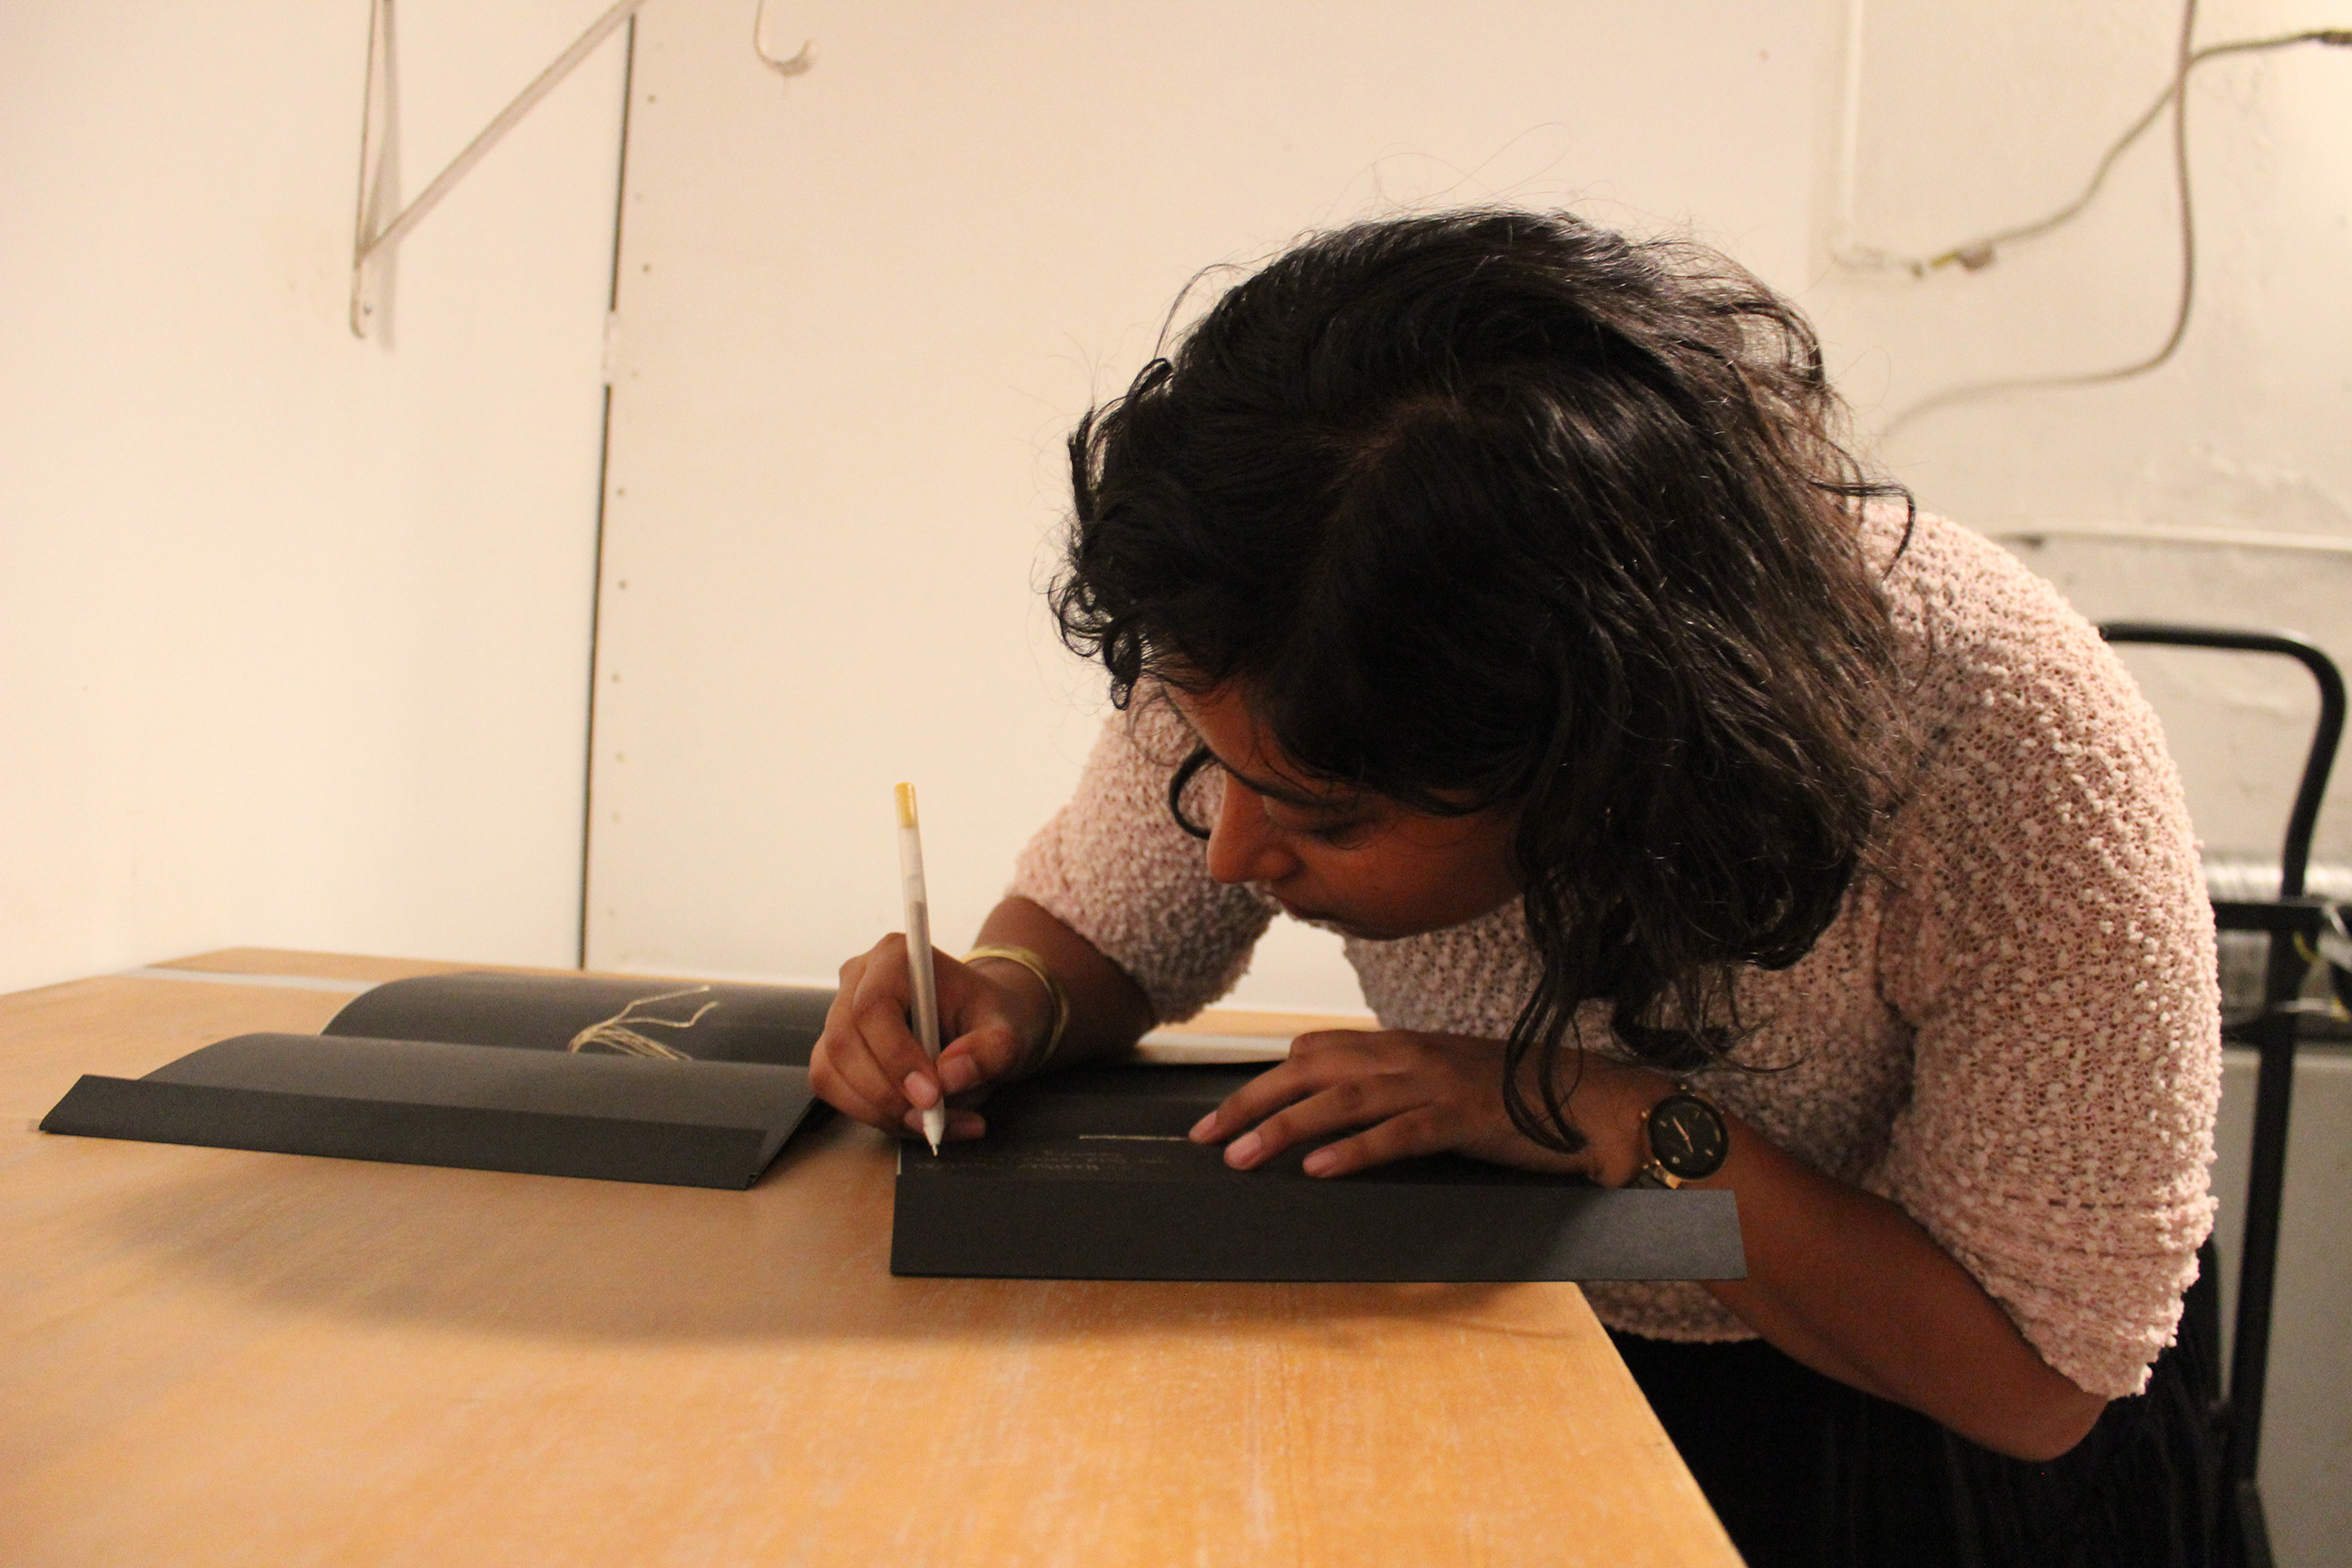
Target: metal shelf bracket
(375,235)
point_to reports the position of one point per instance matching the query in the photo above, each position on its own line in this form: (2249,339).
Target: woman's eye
(1340,829)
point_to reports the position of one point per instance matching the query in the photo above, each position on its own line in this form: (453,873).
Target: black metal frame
(2293,920)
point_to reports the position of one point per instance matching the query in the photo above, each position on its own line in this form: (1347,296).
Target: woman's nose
(1243,847)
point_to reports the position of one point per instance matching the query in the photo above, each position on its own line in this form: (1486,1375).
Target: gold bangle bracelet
(1034,963)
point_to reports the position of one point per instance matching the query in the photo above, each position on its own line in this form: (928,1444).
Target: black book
(1088,1175)
(633,1080)
(1083,1175)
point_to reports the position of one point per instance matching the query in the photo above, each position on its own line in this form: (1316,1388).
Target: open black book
(1088,1175)
(1084,1175)
(633,1080)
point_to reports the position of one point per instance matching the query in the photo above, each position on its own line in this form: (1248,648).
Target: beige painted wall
(861,307)
(1975,117)
(863,304)
(294,628)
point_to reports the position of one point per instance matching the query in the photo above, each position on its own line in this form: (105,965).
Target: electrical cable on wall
(1974,255)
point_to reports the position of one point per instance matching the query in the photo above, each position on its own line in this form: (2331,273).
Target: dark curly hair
(1500,507)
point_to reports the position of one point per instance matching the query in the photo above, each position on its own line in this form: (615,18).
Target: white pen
(920,966)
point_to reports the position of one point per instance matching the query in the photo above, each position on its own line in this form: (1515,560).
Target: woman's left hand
(1415,1093)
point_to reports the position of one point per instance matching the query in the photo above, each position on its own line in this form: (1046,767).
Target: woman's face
(1360,862)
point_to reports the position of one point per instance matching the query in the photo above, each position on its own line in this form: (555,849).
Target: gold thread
(614,1032)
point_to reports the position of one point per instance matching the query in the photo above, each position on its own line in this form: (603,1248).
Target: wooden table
(218,1357)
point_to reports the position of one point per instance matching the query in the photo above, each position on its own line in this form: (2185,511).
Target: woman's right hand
(869,1065)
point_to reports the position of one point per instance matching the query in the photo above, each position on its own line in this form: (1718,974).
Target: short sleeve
(2049,942)
(1113,866)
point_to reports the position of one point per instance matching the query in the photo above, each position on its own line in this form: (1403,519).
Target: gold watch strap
(1034,963)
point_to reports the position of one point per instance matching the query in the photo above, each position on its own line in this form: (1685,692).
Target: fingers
(1314,1093)
(983,1054)
(1418,1132)
(978,1014)
(1318,1061)
(961,1125)
(867,1062)
(1259,1101)
(1322,1042)
(1369,1103)
(1400,1093)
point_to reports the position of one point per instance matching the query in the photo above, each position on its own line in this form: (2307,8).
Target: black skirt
(1807,1473)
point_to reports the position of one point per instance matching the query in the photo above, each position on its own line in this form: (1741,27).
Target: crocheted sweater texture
(2011,1029)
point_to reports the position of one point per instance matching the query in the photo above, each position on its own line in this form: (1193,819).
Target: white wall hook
(767,46)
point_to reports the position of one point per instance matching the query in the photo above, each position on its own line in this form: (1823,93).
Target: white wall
(835,480)
(293,627)
(874,445)
(1974,117)
(861,307)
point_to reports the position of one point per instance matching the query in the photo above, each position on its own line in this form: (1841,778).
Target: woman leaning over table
(1493,589)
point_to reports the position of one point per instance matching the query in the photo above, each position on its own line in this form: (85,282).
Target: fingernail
(958,1074)
(1204,1128)
(1242,1150)
(1320,1161)
(921,1090)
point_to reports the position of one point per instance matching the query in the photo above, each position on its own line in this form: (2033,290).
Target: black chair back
(2294,921)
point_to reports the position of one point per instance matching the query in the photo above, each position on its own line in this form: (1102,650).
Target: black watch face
(1687,1135)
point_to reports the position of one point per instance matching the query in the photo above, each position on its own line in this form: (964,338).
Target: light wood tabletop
(220,1357)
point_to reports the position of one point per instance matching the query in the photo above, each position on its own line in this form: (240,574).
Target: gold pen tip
(905,805)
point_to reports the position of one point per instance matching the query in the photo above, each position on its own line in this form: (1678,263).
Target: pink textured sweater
(2011,1030)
